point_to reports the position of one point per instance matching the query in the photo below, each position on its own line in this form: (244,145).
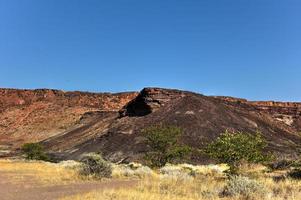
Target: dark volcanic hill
(203,118)
(72,123)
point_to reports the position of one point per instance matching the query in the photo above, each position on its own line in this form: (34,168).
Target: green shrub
(243,187)
(94,165)
(233,148)
(164,145)
(34,151)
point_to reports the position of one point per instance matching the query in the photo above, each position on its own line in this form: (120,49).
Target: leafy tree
(34,151)
(232,148)
(164,145)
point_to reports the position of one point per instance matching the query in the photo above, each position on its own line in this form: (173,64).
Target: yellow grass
(205,189)
(172,183)
(39,172)
(155,188)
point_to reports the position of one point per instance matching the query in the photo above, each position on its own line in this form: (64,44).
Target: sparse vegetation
(243,187)
(233,148)
(164,145)
(34,151)
(94,165)
(208,182)
(211,186)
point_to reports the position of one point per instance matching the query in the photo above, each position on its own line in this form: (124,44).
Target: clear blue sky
(243,48)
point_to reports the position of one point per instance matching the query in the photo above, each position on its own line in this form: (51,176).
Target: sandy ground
(27,189)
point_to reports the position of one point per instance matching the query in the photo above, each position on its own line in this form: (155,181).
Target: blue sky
(243,48)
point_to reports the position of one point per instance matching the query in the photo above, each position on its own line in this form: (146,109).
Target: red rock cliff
(33,115)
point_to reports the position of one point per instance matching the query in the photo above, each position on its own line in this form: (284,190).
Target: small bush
(164,145)
(94,165)
(132,170)
(281,164)
(34,151)
(295,174)
(239,186)
(70,164)
(175,172)
(279,178)
(233,148)
(144,171)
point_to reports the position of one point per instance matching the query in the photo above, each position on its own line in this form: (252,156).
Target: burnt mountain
(115,129)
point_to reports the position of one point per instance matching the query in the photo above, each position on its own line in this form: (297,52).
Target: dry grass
(155,188)
(206,184)
(39,172)
(205,189)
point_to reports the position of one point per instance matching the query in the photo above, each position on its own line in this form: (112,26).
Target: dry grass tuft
(132,170)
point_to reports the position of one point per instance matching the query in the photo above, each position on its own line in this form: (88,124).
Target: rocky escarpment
(286,112)
(106,101)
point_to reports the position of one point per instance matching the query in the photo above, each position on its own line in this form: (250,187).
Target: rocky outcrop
(149,100)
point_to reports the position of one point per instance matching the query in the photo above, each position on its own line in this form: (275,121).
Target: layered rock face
(105,101)
(286,112)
